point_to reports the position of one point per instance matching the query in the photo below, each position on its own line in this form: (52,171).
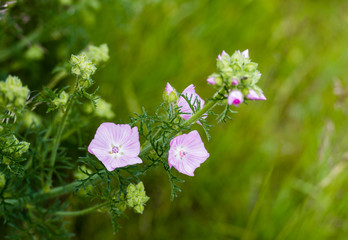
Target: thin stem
(80,212)
(58,138)
(56,79)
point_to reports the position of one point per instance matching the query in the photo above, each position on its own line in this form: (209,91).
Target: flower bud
(169,95)
(235,97)
(218,81)
(250,67)
(235,81)
(61,100)
(223,60)
(82,66)
(98,54)
(211,80)
(253,95)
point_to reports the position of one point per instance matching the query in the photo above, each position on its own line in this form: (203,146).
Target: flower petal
(104,133)
(125,161)
(131,147)
(106,158)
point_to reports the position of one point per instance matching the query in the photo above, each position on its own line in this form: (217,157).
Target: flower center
(236,101)
(182,153)
(115,149)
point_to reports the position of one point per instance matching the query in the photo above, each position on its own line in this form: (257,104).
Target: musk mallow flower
(187,152)
(193,97)
(253,95)
(235,97)
(116,145)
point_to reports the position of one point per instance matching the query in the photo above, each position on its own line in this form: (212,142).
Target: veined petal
(121,133)
(125,161)
(104,133)
(131,147)
(97,143)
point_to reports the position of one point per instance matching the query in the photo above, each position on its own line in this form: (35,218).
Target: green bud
(237,57)
(250,67)
(140,187)
(98,54)
(139,209)
(236,67)
(245,91)
(218,81)
(61,100)
(83,67)
(169,94)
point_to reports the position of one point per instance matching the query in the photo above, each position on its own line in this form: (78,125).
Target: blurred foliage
(277,171)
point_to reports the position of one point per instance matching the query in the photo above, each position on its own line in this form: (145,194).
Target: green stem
(80,212)
(71,186)
(56,78)
(58,138)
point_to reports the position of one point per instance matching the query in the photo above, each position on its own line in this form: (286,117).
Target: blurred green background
(279,169)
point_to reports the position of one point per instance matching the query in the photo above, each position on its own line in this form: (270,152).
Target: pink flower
(116,145)
(235,81)
(235,97)
(190,93)
(187,152)
(253,95)
(211,80)
(169,89)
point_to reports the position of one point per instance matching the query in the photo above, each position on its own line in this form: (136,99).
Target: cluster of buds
(84,68)
(61,100)
(12,147)
(99,54)
(239,76)
(102,109)
(136,197)
(85,64)
(13,95)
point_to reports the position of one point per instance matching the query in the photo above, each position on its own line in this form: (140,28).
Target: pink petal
(190,93)
(169,88)
(132,146)
(125,161)
(104,133)
(121,133)
(104,157)
(97,143)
